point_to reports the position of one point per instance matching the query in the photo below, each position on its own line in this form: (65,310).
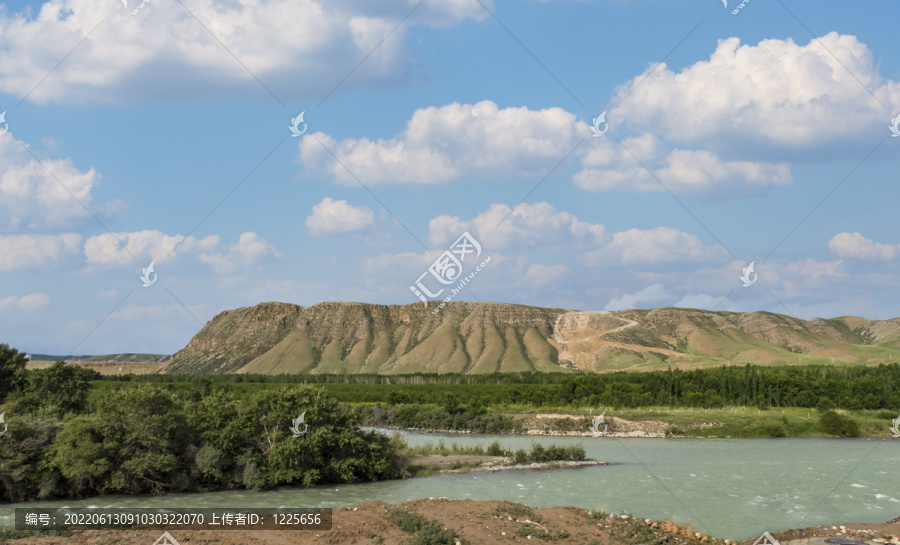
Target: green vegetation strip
(814,386)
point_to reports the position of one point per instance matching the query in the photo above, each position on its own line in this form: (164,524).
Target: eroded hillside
(338,337)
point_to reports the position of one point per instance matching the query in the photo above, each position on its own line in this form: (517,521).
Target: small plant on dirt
(632,532)
(517,510)
(424,531)
(599,514)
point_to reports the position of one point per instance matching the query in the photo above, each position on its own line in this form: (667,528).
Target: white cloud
(331,217)
(107,249)
(610,166)
(796,277)
(539,275)
(31,198)
(705,301)
(298,49)
(451,142)
(27,251)
(28,303)
(250,250)
(538,224)
(856,246)
(775,97)
(659,245)
(650,296)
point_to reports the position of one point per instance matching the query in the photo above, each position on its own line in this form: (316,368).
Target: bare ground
(484,522)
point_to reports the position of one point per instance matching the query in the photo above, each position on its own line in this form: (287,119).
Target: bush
(424,531)
(835,423)
(825,405)
(494,449)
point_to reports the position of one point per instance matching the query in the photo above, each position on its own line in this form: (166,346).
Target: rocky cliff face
(464,337)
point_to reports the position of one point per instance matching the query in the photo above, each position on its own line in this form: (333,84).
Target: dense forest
(852,388)
(63,442)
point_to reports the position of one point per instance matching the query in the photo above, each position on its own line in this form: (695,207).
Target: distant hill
(133,358)
(338,337)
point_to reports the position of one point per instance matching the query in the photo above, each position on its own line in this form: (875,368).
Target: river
(729,488)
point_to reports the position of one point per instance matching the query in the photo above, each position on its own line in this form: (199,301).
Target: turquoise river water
(728,488)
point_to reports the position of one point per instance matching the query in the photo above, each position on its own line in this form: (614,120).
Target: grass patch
(422,530)
(517,511)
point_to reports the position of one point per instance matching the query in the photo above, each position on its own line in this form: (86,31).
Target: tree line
(815,386)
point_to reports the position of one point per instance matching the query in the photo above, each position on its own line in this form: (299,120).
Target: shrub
(424,531)
(835,423)
(494,449)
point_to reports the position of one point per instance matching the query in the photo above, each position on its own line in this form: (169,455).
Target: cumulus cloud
(27,251)
(123,248)
(248,251)
(775,97)
(651,296)
(451,142)
(856,246)
(299,50)
(31,198)
(610,166)
(659,245)
(331,217)
(538,224)
(539,275)
(28,303)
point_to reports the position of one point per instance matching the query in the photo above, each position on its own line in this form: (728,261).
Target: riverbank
(481,522)
(650,422)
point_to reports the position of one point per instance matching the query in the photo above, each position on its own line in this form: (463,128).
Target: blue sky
(763,136)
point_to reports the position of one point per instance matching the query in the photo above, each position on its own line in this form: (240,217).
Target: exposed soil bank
(483,522)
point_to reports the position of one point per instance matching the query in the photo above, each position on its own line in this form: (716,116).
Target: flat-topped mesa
(467,337)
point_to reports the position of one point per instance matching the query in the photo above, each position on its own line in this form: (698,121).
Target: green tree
(146,430)
(332,449)
(12,370)
(57,390)
(84,453)
(24,472)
